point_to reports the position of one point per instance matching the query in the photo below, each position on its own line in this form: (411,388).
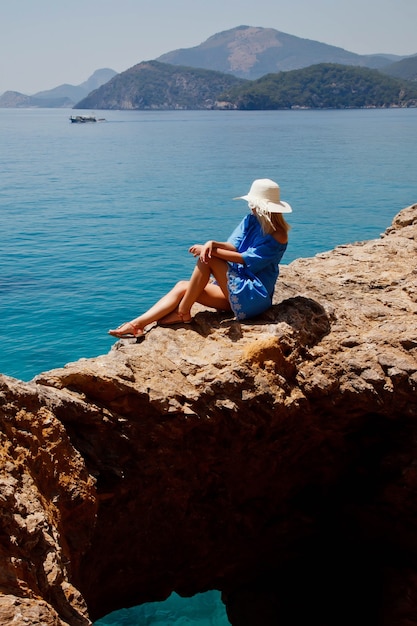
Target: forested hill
(159,86)
(406,68)
(154,85)
(324,86)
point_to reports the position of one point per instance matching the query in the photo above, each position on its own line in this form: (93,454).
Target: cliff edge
(274,460)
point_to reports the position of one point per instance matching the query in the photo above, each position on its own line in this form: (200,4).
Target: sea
(96,221)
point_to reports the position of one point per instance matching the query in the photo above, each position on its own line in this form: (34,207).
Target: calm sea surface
(96,219)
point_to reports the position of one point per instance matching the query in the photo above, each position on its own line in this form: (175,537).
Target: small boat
(82,119)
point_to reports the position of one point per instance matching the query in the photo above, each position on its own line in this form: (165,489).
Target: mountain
(245,52)
(159,86)
(154,85)
(16,100)
(251,52)
(405,68)
(75,93)
(61,96)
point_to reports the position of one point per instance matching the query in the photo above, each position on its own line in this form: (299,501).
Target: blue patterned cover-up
(251,284)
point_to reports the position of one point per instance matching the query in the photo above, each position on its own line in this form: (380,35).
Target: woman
(245,268)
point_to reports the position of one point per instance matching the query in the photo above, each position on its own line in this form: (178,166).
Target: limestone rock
(274,460)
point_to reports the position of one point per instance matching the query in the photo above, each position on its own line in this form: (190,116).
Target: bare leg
(175,306)
(200,290)
(165,305)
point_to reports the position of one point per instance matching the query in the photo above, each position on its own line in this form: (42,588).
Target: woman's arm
(221,249)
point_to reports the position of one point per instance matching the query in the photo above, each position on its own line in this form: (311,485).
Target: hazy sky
(45,43)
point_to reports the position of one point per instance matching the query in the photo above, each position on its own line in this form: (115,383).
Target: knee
(181,287)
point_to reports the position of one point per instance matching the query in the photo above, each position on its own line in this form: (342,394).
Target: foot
(128,329)
(174,318)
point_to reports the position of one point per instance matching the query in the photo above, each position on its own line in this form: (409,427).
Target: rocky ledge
(274,460)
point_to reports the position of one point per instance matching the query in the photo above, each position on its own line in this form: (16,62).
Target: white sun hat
(265,194)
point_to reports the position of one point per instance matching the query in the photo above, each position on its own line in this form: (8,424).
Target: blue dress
(251,284)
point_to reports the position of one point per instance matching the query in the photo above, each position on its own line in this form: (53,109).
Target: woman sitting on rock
(245,268)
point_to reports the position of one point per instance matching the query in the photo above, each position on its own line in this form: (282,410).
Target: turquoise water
(204,609)
(96,219)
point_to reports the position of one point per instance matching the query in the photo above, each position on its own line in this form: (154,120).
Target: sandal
(126,331)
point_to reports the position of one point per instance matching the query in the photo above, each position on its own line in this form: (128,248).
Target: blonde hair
(270,222)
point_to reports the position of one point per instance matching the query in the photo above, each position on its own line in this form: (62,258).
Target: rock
(274,460)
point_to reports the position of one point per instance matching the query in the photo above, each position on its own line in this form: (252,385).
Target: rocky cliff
(274,460)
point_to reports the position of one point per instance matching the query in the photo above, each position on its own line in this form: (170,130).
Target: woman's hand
(195,249)
(204,251)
